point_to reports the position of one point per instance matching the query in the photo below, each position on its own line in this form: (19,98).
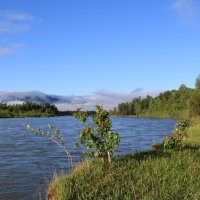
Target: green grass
(151,175)
(194,133)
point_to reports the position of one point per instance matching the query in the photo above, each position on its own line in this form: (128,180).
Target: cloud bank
(108,99)
(13,22)
(185,9)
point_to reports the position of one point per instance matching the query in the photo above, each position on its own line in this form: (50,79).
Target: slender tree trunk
(109,157)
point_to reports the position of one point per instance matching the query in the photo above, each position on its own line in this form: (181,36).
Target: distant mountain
(108,99)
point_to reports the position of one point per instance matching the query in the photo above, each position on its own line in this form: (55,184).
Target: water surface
(28,162)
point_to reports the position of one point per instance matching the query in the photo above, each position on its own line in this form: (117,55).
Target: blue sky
(78,47)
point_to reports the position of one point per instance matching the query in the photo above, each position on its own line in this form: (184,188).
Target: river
(28,162)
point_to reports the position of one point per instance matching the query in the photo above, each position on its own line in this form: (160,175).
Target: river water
(28,162)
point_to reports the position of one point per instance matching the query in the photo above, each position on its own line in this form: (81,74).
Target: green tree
(197,83)
(28,109)
(182,88)
(100,140)
(195,103)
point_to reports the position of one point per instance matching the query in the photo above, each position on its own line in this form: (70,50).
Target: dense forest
(28,109)
(181,103)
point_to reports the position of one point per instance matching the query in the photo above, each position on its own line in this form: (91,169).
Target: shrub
(100,141)
(54,136)
(178,136)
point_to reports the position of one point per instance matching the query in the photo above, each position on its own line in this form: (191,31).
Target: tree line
(28,109)
(181,103)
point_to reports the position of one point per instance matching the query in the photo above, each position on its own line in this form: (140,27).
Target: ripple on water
(28,162)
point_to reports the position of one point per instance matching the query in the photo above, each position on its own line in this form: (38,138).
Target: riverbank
(154,174)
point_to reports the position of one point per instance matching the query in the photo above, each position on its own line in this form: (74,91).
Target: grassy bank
(194,133)
(155,174)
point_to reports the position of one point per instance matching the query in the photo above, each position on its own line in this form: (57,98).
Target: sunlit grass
(152,175)
(147,175)
(194,133)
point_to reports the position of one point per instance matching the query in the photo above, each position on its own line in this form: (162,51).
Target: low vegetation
(194,133)
(178,137)
(53,135)
(164,173)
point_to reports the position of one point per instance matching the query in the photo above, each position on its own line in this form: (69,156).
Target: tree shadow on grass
(144,155)
(192,147)
(155,154)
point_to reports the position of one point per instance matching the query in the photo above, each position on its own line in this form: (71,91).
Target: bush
(178,136)
(100,141)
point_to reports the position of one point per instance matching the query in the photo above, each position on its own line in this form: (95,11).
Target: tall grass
(194,132)
(151,175)
(147,175)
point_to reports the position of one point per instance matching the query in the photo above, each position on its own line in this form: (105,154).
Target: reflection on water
(28,162)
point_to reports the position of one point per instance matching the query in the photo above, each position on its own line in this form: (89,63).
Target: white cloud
(9,27)
(13,21)
(108,99)
(15,16)
(15,102)
(10,50)
(5,51)
(186,9)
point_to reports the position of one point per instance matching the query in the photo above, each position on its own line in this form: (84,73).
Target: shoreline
(143,171)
